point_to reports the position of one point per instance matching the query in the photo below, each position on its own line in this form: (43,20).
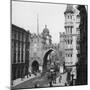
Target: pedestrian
(30,74)
(65,84)
(50,83)
(35,85)
(60,78)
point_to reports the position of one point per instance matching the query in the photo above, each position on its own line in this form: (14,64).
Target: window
(19,56)
(22,57)
(68,41)
(68,17)
(78,31)
(71,41)
(14,58)
(12,34)
(78,42)
(66,30)
(78,16)
(71,30)
(78,47)
(15,35)
(21,37)
(71,16)
(66,55)
(70,55)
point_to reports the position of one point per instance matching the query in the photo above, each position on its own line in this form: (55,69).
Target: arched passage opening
(45,59)
(35,66)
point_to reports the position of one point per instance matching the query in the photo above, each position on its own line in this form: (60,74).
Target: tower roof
(45,30)
(69,9)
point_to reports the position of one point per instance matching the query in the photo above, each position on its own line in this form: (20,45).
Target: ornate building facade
(70,39)
(19,52)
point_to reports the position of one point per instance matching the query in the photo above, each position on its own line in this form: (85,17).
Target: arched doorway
(35,66)
(45,59)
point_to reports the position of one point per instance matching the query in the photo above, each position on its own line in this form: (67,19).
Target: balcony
(69,22)
(68,47)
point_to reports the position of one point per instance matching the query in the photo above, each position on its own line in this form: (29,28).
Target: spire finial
(45,26)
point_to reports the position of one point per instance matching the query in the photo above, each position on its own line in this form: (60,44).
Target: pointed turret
(69,9)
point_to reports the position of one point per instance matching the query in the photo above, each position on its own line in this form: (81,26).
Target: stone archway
(35,66)
(45,59)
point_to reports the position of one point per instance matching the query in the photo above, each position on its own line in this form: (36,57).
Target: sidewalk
(19,81)
(63,80)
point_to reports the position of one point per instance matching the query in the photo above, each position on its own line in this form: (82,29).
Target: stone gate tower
(39,44)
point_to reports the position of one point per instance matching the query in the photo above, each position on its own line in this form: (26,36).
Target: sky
(24,15)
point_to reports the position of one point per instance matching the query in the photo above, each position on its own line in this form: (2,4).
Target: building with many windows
(70,39)
(19,52)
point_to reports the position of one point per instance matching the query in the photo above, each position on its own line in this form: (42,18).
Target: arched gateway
(40,63)
(35,66)
(45,59)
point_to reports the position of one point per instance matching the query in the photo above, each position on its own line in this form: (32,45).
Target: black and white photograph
(49,43)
